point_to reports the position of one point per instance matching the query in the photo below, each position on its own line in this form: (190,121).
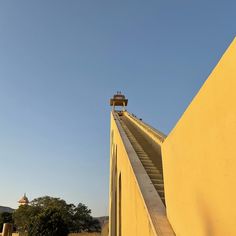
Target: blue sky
(61,61)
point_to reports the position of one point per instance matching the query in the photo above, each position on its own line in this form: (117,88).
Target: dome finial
(24,200)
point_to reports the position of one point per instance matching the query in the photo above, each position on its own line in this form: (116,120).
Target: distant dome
(24,200)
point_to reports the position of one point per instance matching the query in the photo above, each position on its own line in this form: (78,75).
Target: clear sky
(61,61)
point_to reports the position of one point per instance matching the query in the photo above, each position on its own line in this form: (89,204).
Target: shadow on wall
(206,217)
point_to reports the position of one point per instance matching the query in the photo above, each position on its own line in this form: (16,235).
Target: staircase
(149,154)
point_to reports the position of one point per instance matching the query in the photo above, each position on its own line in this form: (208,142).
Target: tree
(83,221)
(66,210)
(48,223)
(24,215)
(75,218)
(94,225)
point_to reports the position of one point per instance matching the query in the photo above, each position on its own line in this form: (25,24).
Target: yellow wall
(200,158)
(134,216)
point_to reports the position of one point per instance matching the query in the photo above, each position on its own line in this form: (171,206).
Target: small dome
(24,200)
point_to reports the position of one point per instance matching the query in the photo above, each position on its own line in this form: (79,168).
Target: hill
(6,209)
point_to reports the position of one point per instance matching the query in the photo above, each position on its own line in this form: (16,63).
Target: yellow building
(182,184)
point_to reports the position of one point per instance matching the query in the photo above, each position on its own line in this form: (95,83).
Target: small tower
(119,100)
(23,201)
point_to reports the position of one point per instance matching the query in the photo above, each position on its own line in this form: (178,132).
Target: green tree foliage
(48,223)
(5,217)
(24,215)
(83,221)
(65,210)
(52,213)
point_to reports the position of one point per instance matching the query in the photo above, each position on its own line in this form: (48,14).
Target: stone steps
(154,173)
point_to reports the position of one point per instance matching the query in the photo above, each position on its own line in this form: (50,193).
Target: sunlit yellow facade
(198,164)
(200,158)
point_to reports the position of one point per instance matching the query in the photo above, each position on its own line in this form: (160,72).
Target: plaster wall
(199,158)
